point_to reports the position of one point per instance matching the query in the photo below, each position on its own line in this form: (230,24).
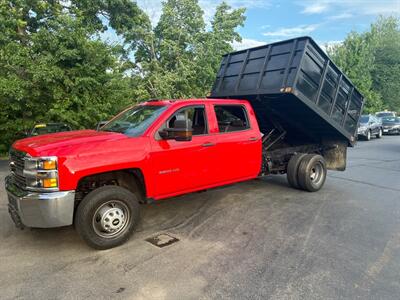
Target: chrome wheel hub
(316,174)
(110,219)
(313,174)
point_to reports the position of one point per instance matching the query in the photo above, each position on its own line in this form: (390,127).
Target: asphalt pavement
(254,240)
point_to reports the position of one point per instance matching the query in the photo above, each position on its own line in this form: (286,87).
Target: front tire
(312,172)
(379,134)
(368,136)
(107,217)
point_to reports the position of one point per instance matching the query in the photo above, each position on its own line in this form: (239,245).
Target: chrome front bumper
(42,210)
(362,132)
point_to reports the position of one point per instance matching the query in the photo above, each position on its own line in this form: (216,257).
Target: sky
(326,21)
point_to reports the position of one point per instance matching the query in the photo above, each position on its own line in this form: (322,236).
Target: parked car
(283,121)
(369,126)
(45,128)
(391,125)
(382,114)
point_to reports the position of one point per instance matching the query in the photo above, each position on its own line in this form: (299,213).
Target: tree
(372,62)
(384,37)
(355,58)
(53,67)
(179,57)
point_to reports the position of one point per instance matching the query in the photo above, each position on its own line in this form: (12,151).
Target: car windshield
(364,119)
(134,121)
(49,128)
(390,120)
(384,114)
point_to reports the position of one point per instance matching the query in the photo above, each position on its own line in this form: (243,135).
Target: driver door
(182,166)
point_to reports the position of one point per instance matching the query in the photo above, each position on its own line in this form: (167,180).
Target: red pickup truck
(163,148)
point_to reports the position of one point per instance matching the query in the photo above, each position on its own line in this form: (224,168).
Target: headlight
(41,173)
(41,163)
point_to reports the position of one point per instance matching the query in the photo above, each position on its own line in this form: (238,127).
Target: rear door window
(231,118)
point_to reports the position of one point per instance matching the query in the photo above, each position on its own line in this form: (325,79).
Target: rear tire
(292,168)
(379,134)
(312,172)
(107,216)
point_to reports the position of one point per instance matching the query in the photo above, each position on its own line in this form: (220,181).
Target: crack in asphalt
(378,167)
(367,183)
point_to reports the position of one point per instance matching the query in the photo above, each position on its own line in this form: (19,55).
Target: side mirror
(181,132)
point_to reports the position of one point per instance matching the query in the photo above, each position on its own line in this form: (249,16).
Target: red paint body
(169,167)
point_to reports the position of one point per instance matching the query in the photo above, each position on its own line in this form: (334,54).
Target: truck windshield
(134,121)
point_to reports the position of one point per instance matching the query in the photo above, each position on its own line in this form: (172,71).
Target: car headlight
(41,173)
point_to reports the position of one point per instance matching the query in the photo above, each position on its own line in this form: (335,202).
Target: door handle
(208,144)
(253,139)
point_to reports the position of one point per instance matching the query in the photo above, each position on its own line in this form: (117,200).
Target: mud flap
(335,154)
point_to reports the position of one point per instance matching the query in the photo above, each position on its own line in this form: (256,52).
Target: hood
(59,143)
(390,124)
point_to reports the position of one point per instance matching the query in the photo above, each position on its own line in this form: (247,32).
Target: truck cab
(150,151)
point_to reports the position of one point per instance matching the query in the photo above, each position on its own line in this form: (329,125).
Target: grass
(3,156)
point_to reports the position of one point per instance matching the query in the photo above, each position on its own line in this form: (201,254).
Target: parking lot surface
(258,239)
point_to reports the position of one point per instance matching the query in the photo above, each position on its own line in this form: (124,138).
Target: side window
(231,118)
(196,117)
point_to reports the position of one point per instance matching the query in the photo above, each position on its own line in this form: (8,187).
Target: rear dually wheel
(312,172)
(292,168)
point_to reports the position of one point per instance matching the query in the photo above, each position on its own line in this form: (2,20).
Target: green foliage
(55,67)
(372,61)
(179,57)
(385,38)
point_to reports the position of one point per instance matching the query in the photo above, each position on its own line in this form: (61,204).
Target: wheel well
(131,179)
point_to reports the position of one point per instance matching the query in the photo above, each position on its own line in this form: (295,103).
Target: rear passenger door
(238,145)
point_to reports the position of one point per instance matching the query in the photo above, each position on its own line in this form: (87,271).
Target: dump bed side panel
(296,81)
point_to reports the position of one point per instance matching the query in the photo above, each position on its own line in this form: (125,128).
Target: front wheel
(368,136)
(107,217)
(379,134)
(312,172)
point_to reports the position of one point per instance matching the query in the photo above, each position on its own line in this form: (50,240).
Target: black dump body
(293,85)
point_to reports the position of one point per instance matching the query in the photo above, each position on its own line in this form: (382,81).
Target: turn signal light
(50,182)
(49,165)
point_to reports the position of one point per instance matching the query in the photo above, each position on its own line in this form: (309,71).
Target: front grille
(17,164)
